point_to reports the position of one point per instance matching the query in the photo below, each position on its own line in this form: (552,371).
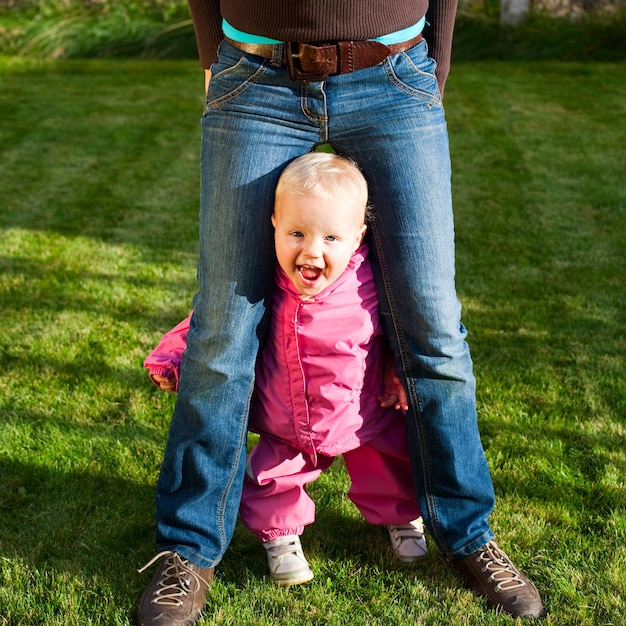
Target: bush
(162,10)
(594,37)
(96,28)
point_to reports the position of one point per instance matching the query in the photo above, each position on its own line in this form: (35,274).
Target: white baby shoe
(408,541)
(286,561)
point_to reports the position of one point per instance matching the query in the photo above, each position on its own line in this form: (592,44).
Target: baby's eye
(296,233)
(331,238)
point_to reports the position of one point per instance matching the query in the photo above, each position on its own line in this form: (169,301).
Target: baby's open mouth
(310,273)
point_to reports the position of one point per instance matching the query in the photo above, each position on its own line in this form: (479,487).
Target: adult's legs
(396,131)
(400,140)
(252,126)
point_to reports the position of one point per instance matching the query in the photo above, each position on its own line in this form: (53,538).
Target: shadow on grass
(76,523)
(343,551)
(67,527)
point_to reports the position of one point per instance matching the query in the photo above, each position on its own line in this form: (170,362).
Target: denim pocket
(413,72)
(232,74)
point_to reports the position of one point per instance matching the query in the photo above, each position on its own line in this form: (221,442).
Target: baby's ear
(362,231)
(273,218)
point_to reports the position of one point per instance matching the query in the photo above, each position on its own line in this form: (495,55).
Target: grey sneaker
(177,593)
(490,573)
(286,561)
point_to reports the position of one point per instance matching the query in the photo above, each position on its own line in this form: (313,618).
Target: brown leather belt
(308,61)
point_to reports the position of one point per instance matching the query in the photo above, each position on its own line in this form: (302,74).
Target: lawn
(98,219)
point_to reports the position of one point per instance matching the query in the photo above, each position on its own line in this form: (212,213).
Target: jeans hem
(192,556)
(472,547)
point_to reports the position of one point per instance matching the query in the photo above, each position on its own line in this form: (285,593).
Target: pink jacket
(166,358)
(321,370)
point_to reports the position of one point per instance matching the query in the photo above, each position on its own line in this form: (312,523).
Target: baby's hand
(395,393)
(165,384)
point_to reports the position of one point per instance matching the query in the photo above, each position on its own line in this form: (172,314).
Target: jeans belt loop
(278,54)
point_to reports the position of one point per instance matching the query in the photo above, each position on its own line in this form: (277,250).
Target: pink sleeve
(166,358)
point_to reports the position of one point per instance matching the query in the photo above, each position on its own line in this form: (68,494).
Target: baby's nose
(312,249)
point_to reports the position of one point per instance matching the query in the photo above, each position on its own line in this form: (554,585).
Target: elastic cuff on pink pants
(270,535)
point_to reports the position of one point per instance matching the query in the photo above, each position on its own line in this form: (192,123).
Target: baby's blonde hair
(322,174)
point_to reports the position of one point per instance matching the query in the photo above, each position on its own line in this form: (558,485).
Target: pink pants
(275,503)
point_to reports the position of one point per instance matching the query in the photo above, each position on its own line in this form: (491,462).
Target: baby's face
(315,236)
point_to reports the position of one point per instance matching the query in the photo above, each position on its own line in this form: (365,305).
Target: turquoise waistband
(396,37)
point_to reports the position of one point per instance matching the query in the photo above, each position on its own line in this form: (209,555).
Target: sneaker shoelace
(412,531)
(503,572)
(292,547)
(175,581)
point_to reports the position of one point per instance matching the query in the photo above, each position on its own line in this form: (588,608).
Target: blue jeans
(389,119)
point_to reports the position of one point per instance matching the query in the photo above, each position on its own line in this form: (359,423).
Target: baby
(325,382)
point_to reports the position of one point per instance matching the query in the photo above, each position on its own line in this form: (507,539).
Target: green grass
(98,216)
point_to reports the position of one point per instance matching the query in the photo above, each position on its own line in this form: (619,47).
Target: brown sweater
(325,20)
